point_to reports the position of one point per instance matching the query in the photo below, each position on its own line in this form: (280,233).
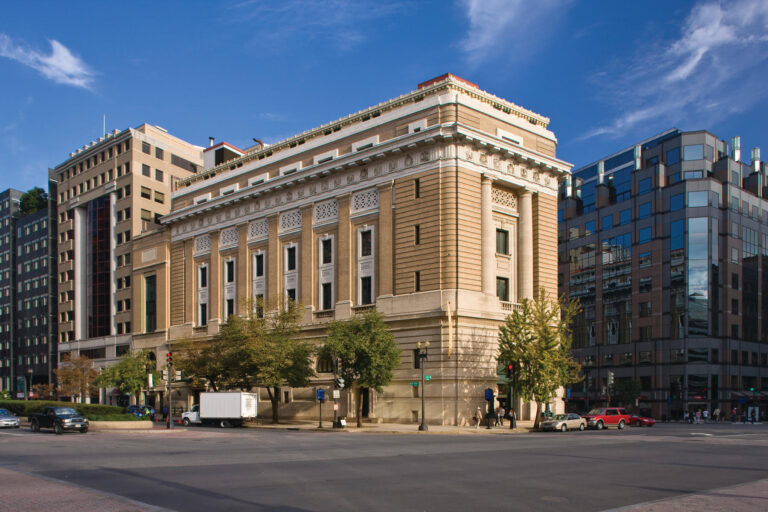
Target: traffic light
(170,358)
(752,389)
(610,378)
(339,382)
(509,371)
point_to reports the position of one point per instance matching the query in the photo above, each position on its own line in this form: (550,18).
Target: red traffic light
(509,367)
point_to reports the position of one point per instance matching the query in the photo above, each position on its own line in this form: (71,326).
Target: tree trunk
(538,415)
(359,407)
(274,397)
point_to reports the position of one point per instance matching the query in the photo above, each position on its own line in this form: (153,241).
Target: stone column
(525,246)
(385,247)
(488,243)
(308,268)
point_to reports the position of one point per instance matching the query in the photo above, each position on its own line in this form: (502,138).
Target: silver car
(565,422)
(8,419)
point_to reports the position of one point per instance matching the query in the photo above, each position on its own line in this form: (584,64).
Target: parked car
(8,419)
(565,422)
(641,421)
(604,417)
(59,419)
(141,411)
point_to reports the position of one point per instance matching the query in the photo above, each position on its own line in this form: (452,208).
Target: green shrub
(114,417)
(26,407)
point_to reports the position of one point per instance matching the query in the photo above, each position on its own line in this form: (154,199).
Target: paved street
(253,469)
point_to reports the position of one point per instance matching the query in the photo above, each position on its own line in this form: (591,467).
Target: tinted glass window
(673,156)
(695,152)
(608,222)
(698,198)
(676,202)
(644,210)
(644,235)
(589,227)
(625,217)
(644,186)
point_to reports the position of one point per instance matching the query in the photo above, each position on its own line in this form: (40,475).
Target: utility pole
(422,353)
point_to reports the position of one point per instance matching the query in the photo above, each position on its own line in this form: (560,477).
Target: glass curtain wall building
(677,297)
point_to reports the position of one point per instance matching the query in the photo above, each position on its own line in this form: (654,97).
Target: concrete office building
(108,192)
(438,208)
(665,243)
(27,294)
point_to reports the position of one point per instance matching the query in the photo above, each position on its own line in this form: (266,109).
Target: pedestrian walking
(735,415)
(698,416)
(500,416)
(512,418)
(716,415)
(686,417)
(478,417)
(705,416)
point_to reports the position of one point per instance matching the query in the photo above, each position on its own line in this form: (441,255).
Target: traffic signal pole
(170,393)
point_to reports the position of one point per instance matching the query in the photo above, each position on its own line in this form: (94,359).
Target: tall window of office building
(365,265)
(502,241)
(325,272)
(150,304)
(698,276)
(99,280)
(291,272)
(230,287)
(259,280)
(202,295)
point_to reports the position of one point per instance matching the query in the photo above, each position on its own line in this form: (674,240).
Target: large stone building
(109,191)
(27,293)
(438,208)
(665,245)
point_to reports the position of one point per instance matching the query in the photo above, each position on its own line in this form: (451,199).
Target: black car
(59,419)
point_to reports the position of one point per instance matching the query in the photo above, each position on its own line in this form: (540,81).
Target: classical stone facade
(439,208)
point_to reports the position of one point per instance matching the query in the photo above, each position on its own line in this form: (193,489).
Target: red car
(604,417)
(642,421)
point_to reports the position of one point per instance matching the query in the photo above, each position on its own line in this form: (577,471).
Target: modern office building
(665,243)
(438,208)
(108,192)
(27,293)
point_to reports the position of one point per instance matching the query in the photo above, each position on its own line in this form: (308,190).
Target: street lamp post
(29,386)
(422,353)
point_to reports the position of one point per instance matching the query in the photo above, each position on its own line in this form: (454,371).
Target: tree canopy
(76,376)
(129,375)
(33,200)
(536,340)
(366,352)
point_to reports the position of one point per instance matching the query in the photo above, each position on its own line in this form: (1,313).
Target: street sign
(567,392)
(320,394)
(414,383)
(742,400)
(489,394)
(427,377)
(336,393)
(335,407)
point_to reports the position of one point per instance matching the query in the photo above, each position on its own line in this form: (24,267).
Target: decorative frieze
(258,230)
(228,238)
(202,245)
(327,211)
(366,200)
(504,198)
(290,221)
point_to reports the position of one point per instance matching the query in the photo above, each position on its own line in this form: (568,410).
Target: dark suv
(605,417)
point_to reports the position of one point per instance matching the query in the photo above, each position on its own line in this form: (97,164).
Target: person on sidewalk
(716,415)
(500,416)
(478,417)
(512,418)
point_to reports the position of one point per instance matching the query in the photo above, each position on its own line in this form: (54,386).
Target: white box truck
(226,409)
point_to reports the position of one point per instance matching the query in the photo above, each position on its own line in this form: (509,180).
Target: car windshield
(65,410)
(596,411)
(560,417)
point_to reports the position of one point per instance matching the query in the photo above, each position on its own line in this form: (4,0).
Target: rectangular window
(589,227)
(202,277)
(290,263)
(676,202)
(417,234)
(644,186)
(291,293)
(673,156)
(158,175)
(159,197)
(145,148)
(696,199)
(695,152)
(502,288)
(158,153)
(607,222)
(327,251)
(502,241)
(644,235)
(145,170)
(203,319)
(229,269)
(416,188)
(327,292)
(644,210)
(230,307)
(150,304)
(366,247)
(146,214)
(625,217)
(417,281)
(366,290)
(645,309)
(259,265)
(146,193)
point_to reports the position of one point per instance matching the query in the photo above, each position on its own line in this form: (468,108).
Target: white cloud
(342,23)
(61,65)
(716,67)
(514,28)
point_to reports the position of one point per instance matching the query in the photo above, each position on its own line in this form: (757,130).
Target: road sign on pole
(414,383)
(320,394)
(427,377)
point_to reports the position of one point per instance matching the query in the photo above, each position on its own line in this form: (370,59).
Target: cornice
(372,112)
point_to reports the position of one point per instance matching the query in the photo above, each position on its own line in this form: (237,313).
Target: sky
(606,73)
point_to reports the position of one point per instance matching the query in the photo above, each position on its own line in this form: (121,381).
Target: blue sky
(606,73)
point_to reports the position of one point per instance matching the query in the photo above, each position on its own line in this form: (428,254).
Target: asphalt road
(255,470)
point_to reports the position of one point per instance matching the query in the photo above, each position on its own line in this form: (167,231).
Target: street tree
(366,352)
(45,391)
(129,375)
(204,362)
(76,377)
(536,341)
(275,356)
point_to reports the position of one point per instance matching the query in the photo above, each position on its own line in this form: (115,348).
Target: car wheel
(563,428)
(84,430)
(58,429)
(600,425)
(185,422)
(224,424)
(621,425)
(581,427)
(34,426)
